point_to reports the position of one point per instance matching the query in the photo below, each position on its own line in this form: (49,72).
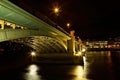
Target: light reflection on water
(100,65)
(78,72)
(32,73)
(33,69)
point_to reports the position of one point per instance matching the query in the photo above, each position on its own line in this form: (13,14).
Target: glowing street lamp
(68,25)
(56,10)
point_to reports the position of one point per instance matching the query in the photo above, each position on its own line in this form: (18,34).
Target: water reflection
(109,57)
(79,72)
(98,65)
(32,73)
(86,67)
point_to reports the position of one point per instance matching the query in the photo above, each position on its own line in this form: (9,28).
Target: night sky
(91,19)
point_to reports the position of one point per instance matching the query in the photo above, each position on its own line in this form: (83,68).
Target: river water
(98,65)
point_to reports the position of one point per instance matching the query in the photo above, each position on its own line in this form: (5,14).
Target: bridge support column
(71,43)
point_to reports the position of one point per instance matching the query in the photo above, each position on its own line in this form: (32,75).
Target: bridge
(17,25)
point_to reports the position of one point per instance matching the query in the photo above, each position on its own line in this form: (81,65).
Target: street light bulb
(56,10)
(68,25)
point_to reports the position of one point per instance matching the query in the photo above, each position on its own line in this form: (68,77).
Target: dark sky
(91,19)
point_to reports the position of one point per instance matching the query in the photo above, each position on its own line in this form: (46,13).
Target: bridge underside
(34,39)
(42,44)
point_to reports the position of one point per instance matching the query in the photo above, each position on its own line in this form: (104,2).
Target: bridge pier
(55,58)
(71,43)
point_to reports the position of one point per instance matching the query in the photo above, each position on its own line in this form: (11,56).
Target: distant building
(96,44)
(103,44)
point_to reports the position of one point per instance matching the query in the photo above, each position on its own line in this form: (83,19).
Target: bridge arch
(42,44)
(43,33)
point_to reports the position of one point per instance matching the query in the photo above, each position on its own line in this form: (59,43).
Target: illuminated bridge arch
(20,26)
(42,44)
